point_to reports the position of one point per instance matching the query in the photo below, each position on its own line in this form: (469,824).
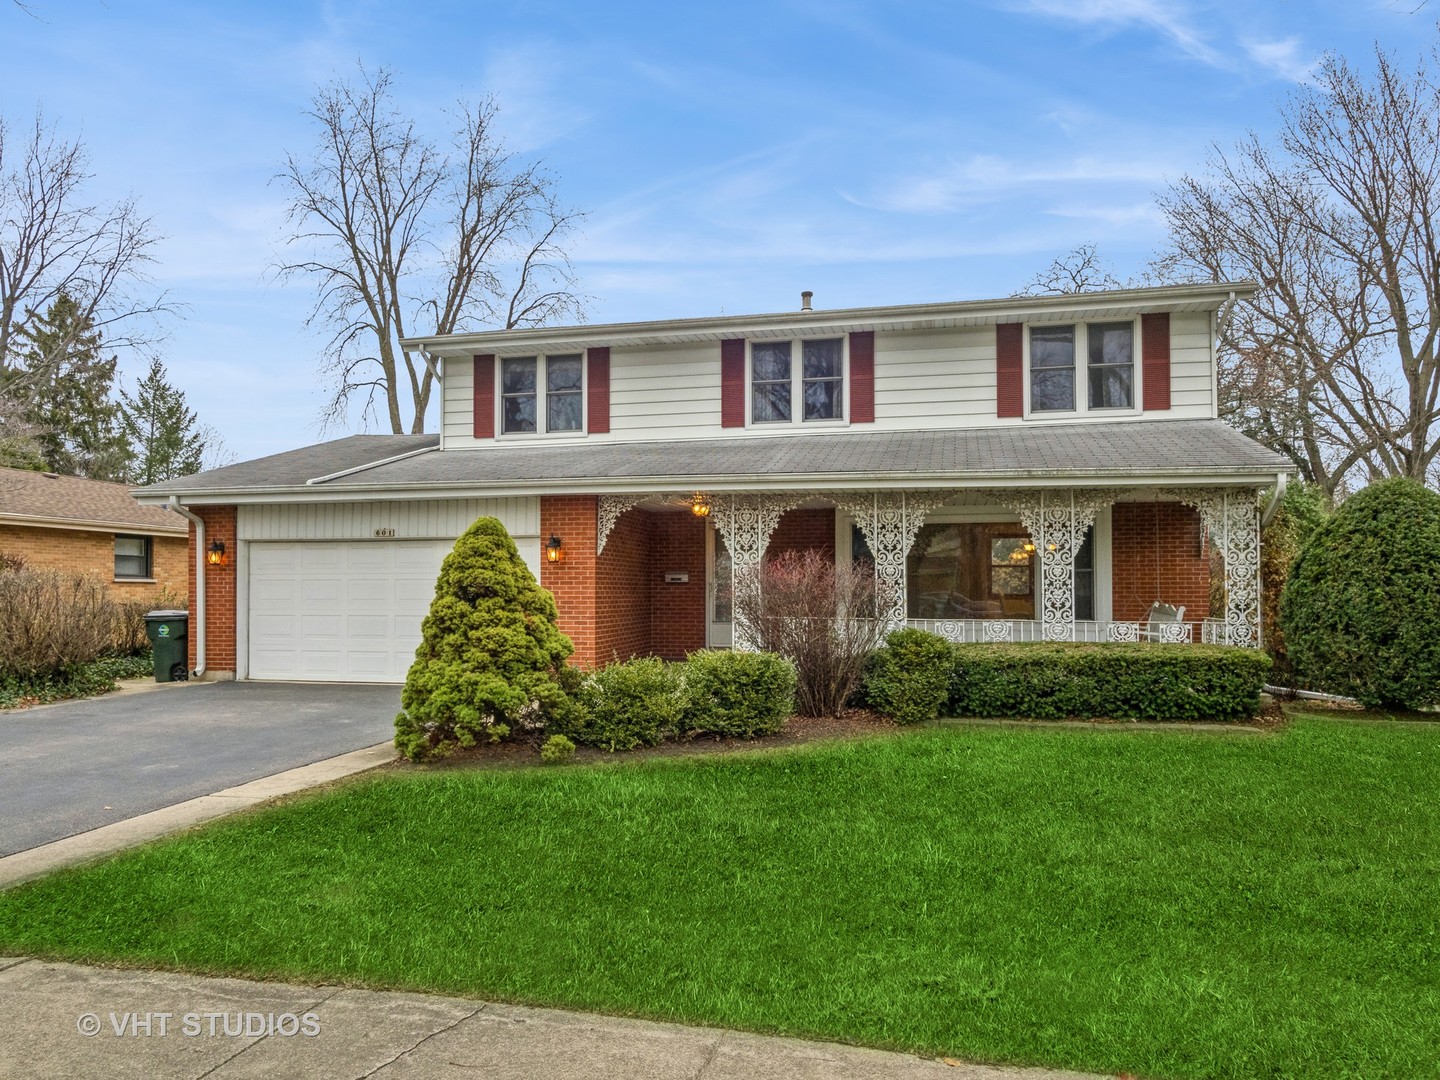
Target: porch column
(890,521)
(1232,520)
(746,523)
(1057,522)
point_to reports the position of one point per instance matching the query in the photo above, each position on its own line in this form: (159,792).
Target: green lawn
(1174,904)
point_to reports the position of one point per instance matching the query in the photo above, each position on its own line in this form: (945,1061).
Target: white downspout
(1275,498)
(199,619)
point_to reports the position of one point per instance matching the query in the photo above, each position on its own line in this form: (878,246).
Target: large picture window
(776,385)
(521,378)
(1108,378)
(984,570)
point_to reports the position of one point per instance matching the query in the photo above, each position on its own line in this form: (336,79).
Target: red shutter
(862,377)
(1155,359)
(597,390)
(732,382)
(485,396)
(1009,369)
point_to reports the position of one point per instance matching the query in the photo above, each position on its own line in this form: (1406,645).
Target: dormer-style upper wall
(1097,357)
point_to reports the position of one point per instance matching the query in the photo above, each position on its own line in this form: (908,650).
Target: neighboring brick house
(1017,469)
(92,527)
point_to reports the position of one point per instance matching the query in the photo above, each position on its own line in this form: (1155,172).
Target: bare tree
(1081,270)
(398,233)
(55,246)
(1333,363)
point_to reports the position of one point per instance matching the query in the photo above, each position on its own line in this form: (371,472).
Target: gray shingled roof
(30,497)
(1100,450)
(294,467)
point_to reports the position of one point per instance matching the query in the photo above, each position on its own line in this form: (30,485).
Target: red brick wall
(219,591)
(574,519)
(82,552)
(1158,553)
(623,581)
(677,612)
(803,530)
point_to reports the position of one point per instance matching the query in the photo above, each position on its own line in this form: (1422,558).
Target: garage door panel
(342,610)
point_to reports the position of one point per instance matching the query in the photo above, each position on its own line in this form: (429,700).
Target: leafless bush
(51,620)
(10,562)
(128,634)
(818,616)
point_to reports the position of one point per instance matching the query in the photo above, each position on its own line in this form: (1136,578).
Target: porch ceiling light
(700,504)
(554,550)
(215,554)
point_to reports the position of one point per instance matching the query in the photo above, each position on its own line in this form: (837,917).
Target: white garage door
(344,611)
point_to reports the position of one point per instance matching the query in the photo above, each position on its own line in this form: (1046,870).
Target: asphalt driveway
(68,768)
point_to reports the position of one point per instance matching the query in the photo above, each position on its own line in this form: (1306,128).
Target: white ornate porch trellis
(1057,522)
(745,523)
(610,509)
(1232,518)
(890,521)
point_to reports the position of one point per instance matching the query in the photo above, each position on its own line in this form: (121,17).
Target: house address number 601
(381,534)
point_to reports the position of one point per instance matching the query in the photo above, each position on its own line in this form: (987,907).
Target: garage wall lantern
(554,550)
(215,556)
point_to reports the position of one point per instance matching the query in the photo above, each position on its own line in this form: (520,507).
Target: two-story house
(1023,468)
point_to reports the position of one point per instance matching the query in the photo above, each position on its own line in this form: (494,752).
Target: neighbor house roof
(1157,452)
(48,500)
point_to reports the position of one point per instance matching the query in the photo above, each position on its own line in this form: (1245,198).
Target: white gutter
(369,465)
(1227,311)
(1274,504)
(199,615)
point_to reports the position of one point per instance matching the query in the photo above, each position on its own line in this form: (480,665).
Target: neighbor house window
(776,383)
(521,379)
(132,557)
(1109,377)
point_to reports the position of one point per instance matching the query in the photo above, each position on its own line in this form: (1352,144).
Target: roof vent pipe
(805,298)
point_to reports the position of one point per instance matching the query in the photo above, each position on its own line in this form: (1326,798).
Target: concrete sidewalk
(64,1020)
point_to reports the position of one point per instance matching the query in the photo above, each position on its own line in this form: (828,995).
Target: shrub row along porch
(654,572)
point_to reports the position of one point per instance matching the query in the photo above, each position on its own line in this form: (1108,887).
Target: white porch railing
(1204,631)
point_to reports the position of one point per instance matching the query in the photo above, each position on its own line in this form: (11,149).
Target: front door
(719,587)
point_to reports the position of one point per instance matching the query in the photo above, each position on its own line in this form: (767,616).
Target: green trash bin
(168,632)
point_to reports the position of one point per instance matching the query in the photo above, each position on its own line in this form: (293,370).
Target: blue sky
(727,155)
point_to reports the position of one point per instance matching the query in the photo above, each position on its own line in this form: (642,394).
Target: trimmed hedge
(737,693)
(1057,681)
(909,679)
(1361,609)
(640,702)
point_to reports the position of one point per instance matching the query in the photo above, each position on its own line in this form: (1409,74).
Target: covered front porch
(971,564)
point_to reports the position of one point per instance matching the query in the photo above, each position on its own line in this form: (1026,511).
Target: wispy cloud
(986,178)
(1284,58)
(1168,18)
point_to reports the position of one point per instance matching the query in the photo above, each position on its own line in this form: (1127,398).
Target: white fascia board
(663,485)
(841,320)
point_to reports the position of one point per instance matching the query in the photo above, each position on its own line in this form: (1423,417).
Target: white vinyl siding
(430,519)
(1191,367)
(924,379)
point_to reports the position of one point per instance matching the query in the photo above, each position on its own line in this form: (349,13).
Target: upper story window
(133,557)
(1108,381)
(783,392)
(521,381)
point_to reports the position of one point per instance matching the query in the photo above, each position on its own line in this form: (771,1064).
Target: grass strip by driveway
(1172,904)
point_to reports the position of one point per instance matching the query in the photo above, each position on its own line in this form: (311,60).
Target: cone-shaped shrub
(491,651)
(1361,609)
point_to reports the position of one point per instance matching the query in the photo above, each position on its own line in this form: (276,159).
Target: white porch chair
(1164,623)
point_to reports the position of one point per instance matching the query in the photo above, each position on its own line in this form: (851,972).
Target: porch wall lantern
(700,505)
(215,554)
(554,550)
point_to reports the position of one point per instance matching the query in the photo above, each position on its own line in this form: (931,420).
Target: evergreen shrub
(740,694)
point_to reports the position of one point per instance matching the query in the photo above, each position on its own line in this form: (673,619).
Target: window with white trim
(777,383)
(542,394)
(1108,380)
